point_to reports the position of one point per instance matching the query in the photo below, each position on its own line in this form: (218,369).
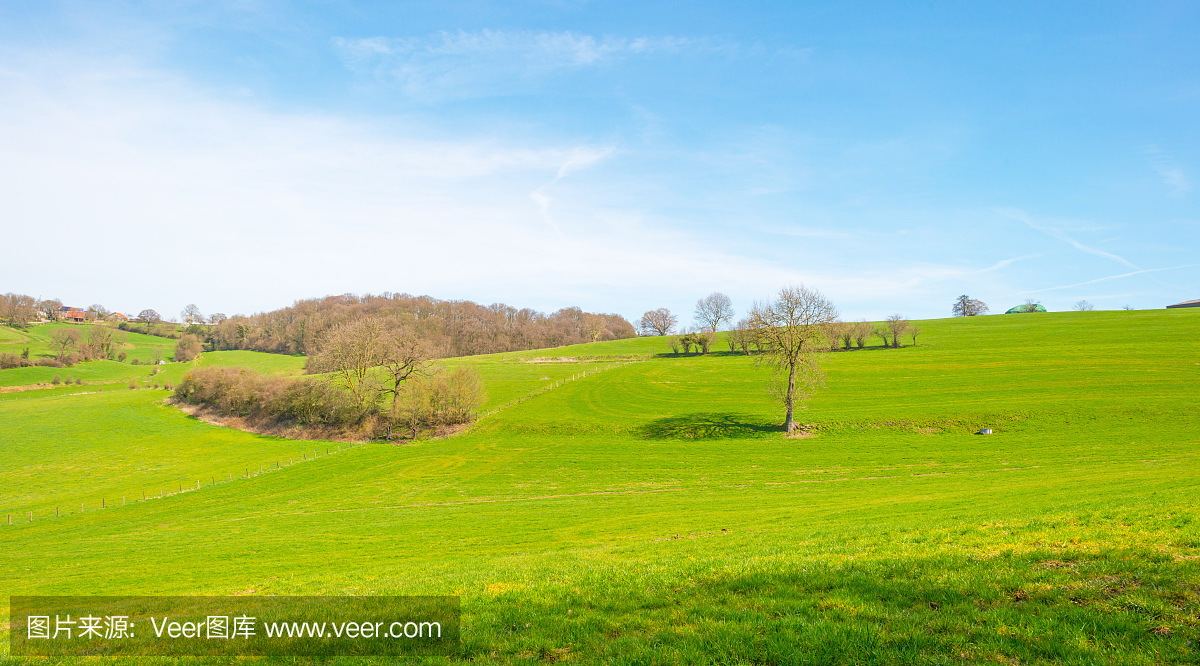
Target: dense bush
(242,392)
(440,399)
(426,403)
(47,362)
(12,361)
(187,349)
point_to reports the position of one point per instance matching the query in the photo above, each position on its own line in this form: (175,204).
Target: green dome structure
(1026,307)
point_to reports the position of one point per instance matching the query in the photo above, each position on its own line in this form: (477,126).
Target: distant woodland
(449,328)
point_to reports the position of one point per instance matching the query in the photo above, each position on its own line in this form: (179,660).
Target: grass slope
(650,513)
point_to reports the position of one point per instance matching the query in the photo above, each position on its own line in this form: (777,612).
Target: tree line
(748,336)
(450,328)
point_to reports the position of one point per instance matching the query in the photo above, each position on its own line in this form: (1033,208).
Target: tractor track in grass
(464,503)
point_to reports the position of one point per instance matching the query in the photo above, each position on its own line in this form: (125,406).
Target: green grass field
(36,339)
(651,512)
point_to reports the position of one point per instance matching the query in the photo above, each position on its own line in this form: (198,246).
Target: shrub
(133,362)
(122,356)
(56,381)
(25,354)
(9,361)
(441,399)
(187,349)
(47,362)
(307,401)
(78,381)
(132,385)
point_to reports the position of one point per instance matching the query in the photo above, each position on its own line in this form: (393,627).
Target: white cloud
(130,189)
(450,65)
(1171,173)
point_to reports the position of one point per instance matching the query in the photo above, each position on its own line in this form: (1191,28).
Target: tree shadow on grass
(708,425)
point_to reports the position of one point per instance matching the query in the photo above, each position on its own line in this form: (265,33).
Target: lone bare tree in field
(966,306)
(712,310)
(795,328)
(1084,306)
(658,322)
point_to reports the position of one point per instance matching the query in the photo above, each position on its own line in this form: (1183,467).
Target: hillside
(651,512)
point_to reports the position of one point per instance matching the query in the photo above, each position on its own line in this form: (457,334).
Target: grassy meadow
(651,512)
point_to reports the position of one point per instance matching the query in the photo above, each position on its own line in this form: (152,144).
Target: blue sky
(615,156)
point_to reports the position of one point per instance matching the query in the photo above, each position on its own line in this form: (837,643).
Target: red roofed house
(67,313)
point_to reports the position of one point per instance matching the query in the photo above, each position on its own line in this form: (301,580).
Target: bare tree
(96,311)
(216,318)
(1031,305)
(403,355)
(18,309)
(862,332)
(686,341)
(882,331)
(914,331)
(896,325)
(1084,306)
(101,342)
(674,343)
(149,316)
(658,322)
(712,310)
(191,314)
(843,332)
(966,306)
(795,327)
(64,339)
(349,351)
(50,308)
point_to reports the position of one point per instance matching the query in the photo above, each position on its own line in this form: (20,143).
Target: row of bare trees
(711,311)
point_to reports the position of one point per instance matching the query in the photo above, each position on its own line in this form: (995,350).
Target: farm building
(117,316)
(1026,307)
(1187,304)
(67,313)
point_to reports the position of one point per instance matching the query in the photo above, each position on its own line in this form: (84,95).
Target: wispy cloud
(1106,279)
(1171,173)
(1061,235)
(580,158)
(487,62)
